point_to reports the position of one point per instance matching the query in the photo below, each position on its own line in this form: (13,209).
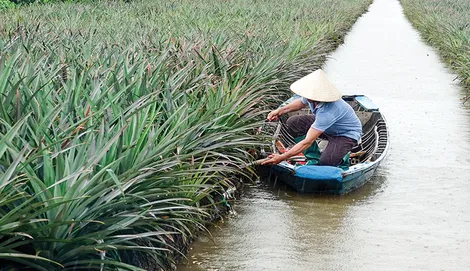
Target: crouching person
(332,118)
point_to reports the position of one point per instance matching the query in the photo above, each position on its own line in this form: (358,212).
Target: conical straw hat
(317,87)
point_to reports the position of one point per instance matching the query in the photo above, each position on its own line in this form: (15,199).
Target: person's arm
(293,106)
(311,136)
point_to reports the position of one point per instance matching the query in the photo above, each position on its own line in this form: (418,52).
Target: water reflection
(276,225)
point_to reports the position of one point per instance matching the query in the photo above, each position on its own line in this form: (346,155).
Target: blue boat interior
(365,102)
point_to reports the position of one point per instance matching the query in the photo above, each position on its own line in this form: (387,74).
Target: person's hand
(273,116)
(274,159)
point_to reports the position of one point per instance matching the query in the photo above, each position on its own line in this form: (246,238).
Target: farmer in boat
(332,119)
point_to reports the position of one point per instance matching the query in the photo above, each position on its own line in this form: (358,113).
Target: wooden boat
(364,158)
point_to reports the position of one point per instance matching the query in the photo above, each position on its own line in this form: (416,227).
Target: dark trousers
(337,148)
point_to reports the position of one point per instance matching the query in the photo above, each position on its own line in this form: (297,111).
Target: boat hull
(326,185)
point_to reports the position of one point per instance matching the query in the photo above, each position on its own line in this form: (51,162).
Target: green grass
(6,4)
(445,24)
(121,124)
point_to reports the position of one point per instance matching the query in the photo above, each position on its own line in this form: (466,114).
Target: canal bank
(413,215)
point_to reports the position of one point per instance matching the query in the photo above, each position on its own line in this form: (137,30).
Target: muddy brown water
(413,215)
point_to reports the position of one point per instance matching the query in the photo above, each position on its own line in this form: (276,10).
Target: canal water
(413,215)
